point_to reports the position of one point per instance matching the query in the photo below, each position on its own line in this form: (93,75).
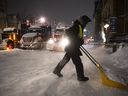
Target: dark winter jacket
(74,39)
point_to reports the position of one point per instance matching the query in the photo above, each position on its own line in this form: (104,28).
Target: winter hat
(84,20)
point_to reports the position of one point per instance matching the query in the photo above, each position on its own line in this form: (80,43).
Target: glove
(81,42)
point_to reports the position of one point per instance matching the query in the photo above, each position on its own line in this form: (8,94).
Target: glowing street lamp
(106,26)
(42,20)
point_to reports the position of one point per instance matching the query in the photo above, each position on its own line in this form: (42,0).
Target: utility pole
(5,7)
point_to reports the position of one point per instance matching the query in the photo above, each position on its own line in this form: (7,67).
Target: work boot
(83,78)
(57,73)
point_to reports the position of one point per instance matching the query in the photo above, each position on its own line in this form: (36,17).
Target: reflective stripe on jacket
(80,31)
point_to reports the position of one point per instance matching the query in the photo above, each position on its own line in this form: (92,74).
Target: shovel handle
(91,58)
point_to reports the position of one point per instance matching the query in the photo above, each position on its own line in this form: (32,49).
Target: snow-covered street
(29,73)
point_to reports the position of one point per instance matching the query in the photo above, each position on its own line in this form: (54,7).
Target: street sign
(113,24)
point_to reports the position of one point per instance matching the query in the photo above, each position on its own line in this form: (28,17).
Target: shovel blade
(106,81)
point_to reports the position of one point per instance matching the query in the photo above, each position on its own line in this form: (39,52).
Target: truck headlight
(50,41)
(64,42)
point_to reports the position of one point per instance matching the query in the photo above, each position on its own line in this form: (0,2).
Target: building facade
(115,14)
(3,12)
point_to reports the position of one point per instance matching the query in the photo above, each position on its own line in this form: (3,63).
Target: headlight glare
(64,42)
(50,41)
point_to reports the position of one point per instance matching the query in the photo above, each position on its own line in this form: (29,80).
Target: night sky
(55,10)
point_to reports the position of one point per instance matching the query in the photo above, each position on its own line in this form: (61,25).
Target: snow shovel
(105,80)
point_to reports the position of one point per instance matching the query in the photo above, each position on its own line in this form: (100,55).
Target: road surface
(29,73)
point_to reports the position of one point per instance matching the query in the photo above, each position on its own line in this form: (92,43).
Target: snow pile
(121,58)
(115,64)
(105,55)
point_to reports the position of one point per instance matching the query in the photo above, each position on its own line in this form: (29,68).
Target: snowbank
(115,64)
(121,57)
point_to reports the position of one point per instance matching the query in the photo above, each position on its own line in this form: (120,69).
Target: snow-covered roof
(9,29)
(29,35)
(34,26)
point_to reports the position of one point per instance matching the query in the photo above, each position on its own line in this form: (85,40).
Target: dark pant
(76,61)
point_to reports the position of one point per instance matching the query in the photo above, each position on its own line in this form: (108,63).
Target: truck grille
(27,39)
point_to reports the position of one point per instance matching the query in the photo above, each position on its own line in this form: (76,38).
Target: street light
(42,20)
(106,26)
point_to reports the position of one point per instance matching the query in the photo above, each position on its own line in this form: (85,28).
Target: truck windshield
(34,30)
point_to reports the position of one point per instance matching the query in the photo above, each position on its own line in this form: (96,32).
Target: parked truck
(35,37)
(11,36)
(58,41)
